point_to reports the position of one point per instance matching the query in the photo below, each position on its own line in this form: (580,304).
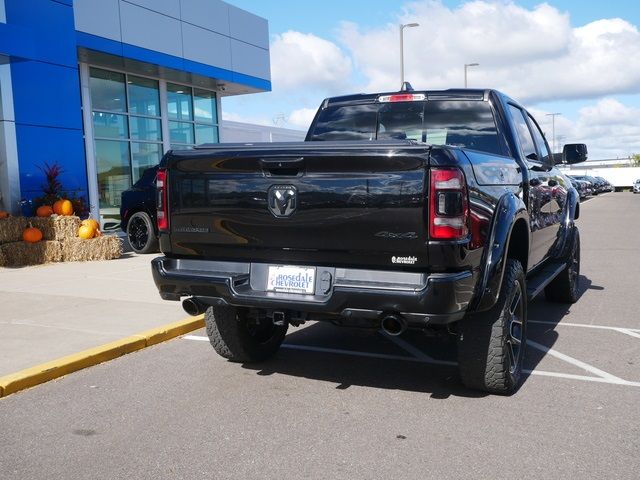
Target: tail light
(161,201)
(448,205)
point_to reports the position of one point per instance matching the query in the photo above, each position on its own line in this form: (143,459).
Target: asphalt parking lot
(338,403)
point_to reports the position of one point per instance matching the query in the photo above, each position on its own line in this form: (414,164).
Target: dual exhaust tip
(391,324)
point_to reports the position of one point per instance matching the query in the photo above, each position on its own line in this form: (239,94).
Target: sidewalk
(49,311)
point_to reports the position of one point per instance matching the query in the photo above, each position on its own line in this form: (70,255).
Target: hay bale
(3,258)
(57,227)
(106,247)
(11,229)
(20,254)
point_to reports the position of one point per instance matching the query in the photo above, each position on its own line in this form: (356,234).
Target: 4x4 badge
(282,200)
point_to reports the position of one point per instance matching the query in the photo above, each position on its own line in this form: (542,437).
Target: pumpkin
(98,233)
(63,207)
(86,232)
(44,211)
(4,214)
(92,223)
(31,235)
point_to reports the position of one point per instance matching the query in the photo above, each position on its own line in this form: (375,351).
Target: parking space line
(309,348)
(628,331)
(407,347)
(584,325)
(574,361)
(603,377)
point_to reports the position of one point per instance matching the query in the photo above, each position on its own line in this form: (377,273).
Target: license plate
(291,279)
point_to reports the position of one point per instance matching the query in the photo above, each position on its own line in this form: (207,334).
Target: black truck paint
(353,202)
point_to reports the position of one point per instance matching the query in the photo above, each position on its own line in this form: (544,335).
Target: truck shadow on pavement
(551,314)
(372,363)
(359,357)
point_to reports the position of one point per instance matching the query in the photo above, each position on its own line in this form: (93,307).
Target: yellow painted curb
(44,372)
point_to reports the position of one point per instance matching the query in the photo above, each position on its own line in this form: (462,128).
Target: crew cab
(432,210)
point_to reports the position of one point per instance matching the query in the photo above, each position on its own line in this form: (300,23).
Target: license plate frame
(291,279)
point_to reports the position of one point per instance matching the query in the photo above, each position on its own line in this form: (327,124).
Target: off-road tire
(565,288)
(141,234)
(487,356)
(238,338)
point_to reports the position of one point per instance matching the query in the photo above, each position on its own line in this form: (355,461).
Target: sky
(577,58)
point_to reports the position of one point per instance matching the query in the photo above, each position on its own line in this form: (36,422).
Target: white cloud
(302,117)
(303,60)
(533,55)
(608,127)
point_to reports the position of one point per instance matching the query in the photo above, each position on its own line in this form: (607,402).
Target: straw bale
(19,254)
(3,258)
(106,247)
(11,229)
(57,227)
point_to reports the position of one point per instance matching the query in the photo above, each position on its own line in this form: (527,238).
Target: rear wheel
(565,287)
(240,337)
(491,346)
(141,234)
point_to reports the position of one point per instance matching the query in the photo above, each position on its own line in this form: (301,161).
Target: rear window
(468,124)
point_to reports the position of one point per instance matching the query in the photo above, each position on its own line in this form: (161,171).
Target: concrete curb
(44,372)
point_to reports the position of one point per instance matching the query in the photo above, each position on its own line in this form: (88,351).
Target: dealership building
(104,87)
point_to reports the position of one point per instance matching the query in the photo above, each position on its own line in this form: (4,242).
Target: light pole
(467,65)
(402,27)
(553,129)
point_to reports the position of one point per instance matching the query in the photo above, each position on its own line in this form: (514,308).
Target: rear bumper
(348,293)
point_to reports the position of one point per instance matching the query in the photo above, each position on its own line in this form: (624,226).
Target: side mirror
(557,158)
(574,153)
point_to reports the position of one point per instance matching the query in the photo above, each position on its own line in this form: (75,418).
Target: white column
(9,165)
(89,144)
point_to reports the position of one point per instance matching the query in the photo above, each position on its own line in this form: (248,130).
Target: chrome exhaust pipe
(393,325)
(193,307)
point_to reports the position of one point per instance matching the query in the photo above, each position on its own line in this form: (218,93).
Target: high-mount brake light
(402,97)
(161,201)
(448,205)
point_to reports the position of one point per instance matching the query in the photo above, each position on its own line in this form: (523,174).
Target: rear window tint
(468,124)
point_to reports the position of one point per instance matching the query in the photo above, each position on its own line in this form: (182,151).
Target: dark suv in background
(138,213)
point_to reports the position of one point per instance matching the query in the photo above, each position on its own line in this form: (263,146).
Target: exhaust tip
(192,306)
(393,325)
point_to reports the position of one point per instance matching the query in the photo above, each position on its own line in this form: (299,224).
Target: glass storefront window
(143,128)
(110,125)
(114,173)
(179,102)
(107,91)
(144,96)
(204,106)
(181,132)
(206,134)
(128,124)
(143,156)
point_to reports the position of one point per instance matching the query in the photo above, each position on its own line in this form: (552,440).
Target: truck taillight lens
(161,201)
(448,205)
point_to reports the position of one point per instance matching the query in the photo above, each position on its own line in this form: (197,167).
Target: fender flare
(509,210)
(567,230)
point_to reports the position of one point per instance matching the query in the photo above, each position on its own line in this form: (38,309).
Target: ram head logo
(283,200)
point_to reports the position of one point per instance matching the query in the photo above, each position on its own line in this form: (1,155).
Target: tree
(635,159)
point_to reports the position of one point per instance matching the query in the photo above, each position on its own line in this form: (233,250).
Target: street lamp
(402,27)
(553,129)
(467,65)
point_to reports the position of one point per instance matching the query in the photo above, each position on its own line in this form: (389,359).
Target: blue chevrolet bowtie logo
(282,200)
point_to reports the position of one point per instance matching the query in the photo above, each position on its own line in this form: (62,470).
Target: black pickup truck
(433,210)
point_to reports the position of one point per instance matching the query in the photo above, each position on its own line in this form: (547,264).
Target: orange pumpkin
(44,211)
(98,233)
(4,214)
(31,235)
(86,232)
(91,222)
(63,207)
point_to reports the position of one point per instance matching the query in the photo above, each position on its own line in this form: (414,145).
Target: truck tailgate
(326,203)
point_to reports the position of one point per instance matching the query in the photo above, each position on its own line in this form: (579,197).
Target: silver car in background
(636,186)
